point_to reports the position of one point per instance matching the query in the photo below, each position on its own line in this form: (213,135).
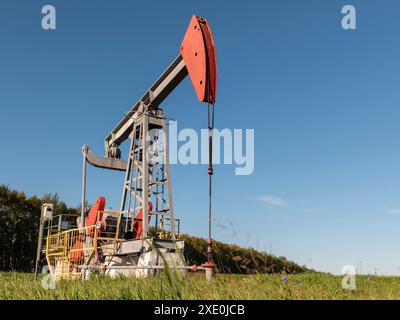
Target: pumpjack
(143,235)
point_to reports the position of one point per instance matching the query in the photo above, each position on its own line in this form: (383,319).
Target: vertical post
(145,173)
(83,274)
(170,204)
(83,191)
(39,246)
(209,273)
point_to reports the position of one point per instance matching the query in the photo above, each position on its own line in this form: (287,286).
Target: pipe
(83,191)
(39,246)
(194,268)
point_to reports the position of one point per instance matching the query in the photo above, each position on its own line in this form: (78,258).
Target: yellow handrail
(68,252)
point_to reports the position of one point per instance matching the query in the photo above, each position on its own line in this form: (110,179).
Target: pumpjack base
(143,258)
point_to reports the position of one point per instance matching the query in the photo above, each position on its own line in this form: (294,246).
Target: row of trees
(19,227)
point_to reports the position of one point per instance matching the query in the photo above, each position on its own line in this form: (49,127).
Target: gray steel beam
(165,84)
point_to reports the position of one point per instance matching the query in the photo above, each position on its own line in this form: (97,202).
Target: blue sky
(324,104)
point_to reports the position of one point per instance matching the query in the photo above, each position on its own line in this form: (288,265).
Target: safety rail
(164,224)
(71,251)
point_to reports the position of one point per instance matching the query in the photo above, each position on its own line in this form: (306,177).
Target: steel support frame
(141,174)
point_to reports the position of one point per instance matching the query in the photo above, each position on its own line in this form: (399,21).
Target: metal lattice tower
(147,184)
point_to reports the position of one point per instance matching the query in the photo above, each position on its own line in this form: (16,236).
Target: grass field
(193,286)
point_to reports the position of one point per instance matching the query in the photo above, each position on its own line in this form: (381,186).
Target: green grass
(194,286)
